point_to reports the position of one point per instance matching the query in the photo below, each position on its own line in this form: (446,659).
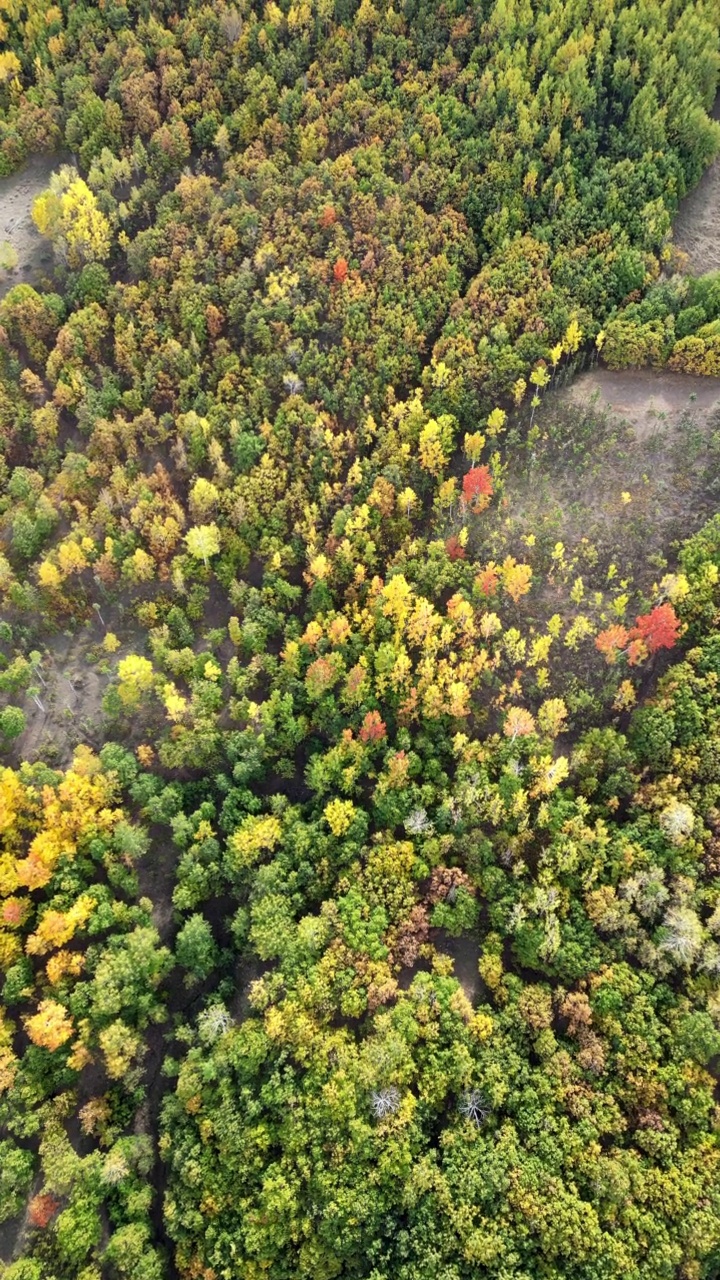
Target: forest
(359,691)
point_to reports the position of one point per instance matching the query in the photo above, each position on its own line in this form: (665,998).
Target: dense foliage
(381,929)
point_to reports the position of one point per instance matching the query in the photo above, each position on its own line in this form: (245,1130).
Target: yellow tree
(136,678)
(436,442)
(69,215)
(51,1026)
(203,541)
(516,578)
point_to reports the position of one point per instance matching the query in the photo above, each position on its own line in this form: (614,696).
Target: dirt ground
(465,954)
(626,466)
(71,701)
(647,399)
(17,193)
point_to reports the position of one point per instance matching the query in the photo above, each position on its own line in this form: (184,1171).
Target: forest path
(697,226)
(648,398)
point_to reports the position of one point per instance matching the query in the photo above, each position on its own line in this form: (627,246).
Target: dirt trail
(17,193)
(697,226)
(648,399)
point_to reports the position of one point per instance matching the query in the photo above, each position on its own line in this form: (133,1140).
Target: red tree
(340,271)
(41,1209)
(454,548)
(487,580)
(658,629)
(373,728)
(478,487)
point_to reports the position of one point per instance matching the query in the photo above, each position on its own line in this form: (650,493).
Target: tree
(516,578)
(69,215)
(518,723)
(658,629)
(677,821)
(339,815)
(136,677)
(8,256)
(435,444)
(50,1027)
(10,66)
(195,947)
(611,642)
(477,487)
(121,1047)
(203,541)
(204,497)
(16,1174)
(127,976)
(681,935)
(42,1209)
(373,729)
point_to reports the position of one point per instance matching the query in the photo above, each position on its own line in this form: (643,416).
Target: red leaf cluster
(454,548)
(658,629)
(340,271)
(373,728)
(41,1209)
(477,485)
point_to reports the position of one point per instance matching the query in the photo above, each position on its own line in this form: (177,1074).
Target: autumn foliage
(373,729)
(290,525)
(455,548)
(42,1209)
(50,1027)
(658,629)
(477,487)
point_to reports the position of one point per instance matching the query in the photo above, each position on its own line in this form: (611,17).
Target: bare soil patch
(17,193)
(697,226)
(625,466)
(696,229)
(71,698)
(647,399)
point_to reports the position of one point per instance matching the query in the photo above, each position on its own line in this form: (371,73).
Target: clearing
(17,193)
(647,399)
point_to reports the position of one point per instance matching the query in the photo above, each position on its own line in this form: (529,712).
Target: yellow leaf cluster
(256,835)
(339,815)
(51,1026)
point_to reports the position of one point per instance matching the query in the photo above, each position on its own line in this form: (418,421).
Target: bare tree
(474,1106)
(385,1102)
